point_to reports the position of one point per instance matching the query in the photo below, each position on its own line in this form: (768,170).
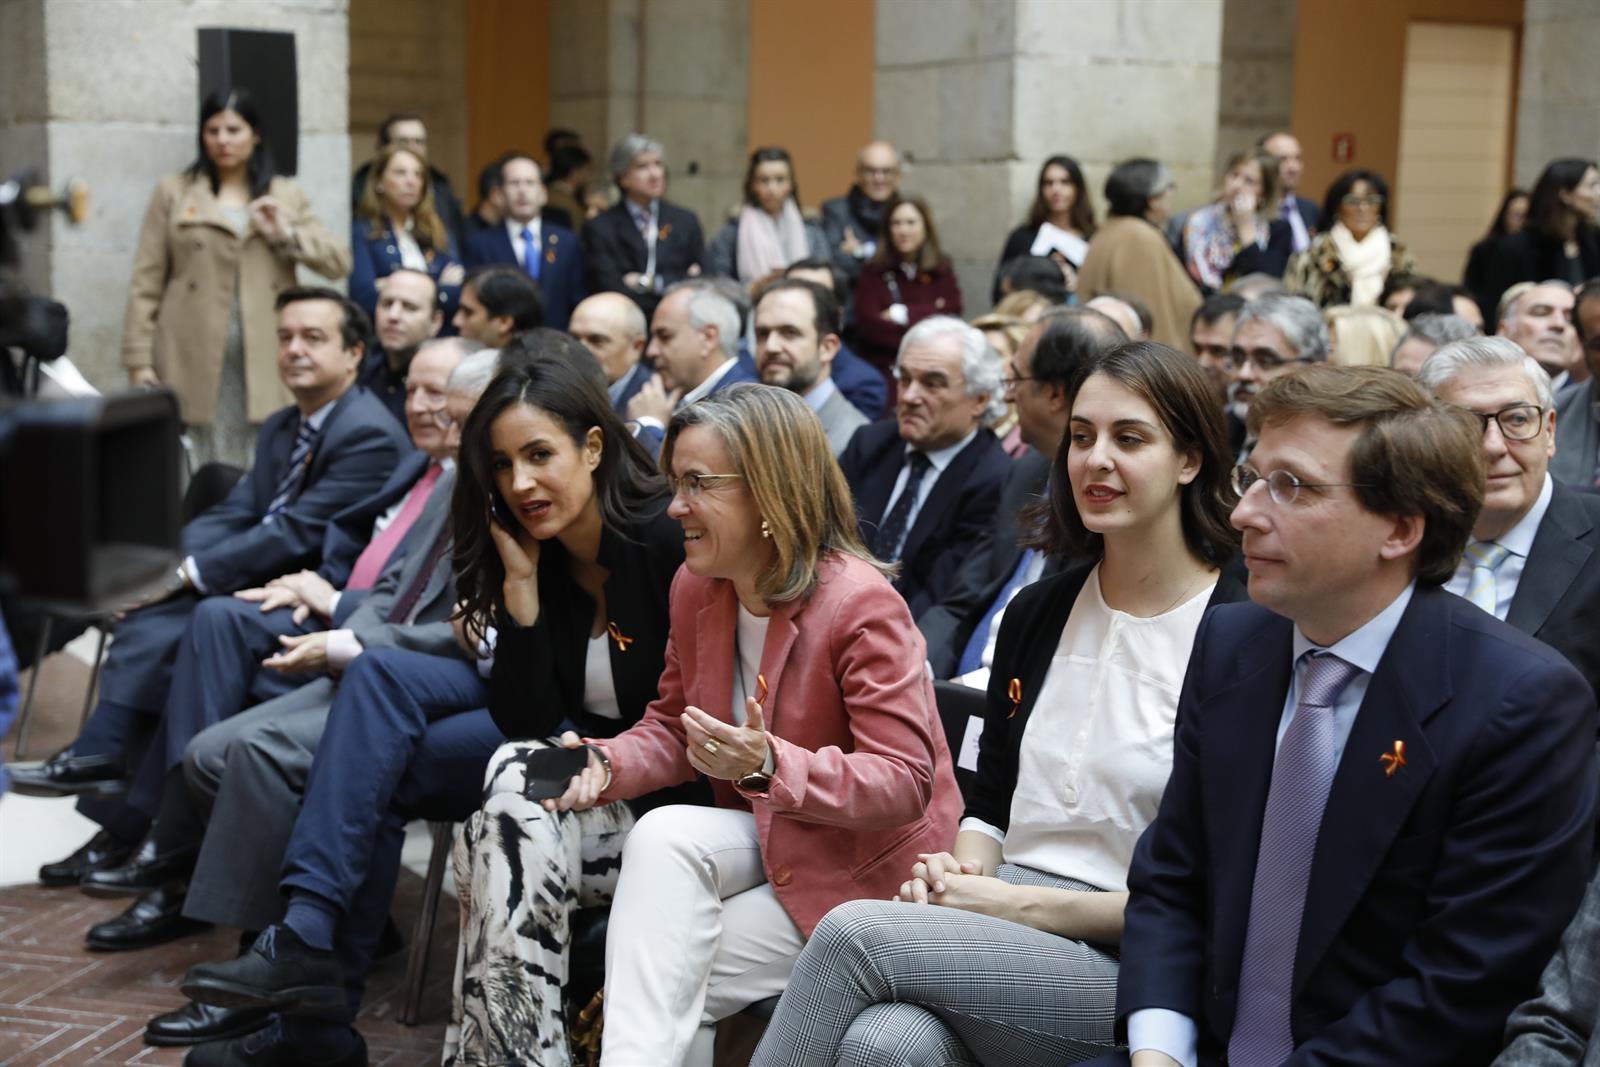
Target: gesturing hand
(928,876)
(302,654)
(266,216)
(654,401)
(583,792)
(519,551)
(721,749)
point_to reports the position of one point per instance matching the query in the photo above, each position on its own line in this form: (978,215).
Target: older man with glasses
(852,221)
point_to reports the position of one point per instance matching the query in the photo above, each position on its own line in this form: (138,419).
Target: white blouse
(750,639)
(599,687)
(1097,750)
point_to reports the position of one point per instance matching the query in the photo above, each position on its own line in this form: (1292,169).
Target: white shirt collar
(699,391)
(320,416)
(941,459)
(1364,646)
(1519,539)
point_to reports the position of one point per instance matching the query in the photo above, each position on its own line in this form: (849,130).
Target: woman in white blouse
(1015,960)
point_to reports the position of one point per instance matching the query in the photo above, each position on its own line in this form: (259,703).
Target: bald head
(878,170)
(613,328)
(1121,313)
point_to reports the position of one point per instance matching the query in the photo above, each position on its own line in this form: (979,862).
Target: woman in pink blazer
(795,682)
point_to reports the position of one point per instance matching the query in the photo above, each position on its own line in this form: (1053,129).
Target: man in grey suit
(1577,459)
(1556,1028)
(1534,557)
(797,337)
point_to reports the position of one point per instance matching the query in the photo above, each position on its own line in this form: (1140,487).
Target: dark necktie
(893,531)
(294,475)
(1302,775)
(407,601)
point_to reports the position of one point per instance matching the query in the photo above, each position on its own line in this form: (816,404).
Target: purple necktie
(1302,774)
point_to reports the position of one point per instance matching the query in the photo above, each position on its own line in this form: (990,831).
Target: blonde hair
(1017,305)
(425,224)
(1362,336)
(1014,330)
(779,449)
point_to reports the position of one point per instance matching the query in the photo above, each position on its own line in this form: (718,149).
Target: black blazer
(948,625)
(1530,256)
(1558,595)
(1310,214)
(952,517)
(613,246)
(1272,260)
(355,453)
(538,677)
(1437,893)
(1029,633)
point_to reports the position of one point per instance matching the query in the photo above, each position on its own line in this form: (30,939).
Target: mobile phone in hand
(549,771)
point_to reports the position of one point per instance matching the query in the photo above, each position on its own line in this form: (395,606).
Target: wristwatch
(759,780)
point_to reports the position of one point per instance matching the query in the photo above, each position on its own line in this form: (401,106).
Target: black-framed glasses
(1370,200)
(691,485)
(1519,422)
(1264,360)
(1282,486)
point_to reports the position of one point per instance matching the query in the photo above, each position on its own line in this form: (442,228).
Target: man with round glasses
(1533,558)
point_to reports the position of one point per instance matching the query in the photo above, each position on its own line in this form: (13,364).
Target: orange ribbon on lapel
(665,231)
(1014,691)
(616,635)
(1393,761)
(761,689)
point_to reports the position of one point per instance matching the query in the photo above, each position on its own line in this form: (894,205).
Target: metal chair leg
(25,718)
(422,932)
(94,674)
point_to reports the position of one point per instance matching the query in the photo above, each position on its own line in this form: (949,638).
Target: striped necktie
(294,475)
(1485,557)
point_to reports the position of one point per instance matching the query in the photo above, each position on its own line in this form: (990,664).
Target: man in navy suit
(547,253)
(496,303)
(927,483)
(694,346)
(1381,807)
(613,329)
(641,245)
(1301,214)
(335,446)
(408,315)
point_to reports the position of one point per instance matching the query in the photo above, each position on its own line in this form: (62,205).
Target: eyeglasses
(1519,422)
(1263,359)
(1282,486)
(1370,200)
(693,484)
(1016,380)
(878,172)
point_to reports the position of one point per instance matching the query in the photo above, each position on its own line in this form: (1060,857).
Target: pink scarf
(767,244)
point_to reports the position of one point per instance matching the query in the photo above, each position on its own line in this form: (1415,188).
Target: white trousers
(695,935)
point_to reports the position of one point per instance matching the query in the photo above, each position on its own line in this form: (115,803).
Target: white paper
(1052,238)
(968,760)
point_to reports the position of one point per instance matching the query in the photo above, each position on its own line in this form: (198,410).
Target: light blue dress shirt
(1518,542)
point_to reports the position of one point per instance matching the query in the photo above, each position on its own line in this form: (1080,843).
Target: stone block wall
(1559,98)
(411,55)
(1256,78)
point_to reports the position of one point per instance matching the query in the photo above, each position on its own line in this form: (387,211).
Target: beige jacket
(1129,255)
(184,272)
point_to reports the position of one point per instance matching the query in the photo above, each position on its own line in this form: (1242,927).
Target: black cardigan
(1030,631)
(1530,256)
(538,676)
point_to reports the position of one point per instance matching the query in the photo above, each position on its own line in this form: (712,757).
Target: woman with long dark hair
(769,232)
(1352,260)
(219,240)
(909,279)
(1512,217)
(1072,761)
(395,224)
(1060,222)
(1560,241)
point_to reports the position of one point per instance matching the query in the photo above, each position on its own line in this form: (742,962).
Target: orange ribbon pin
(1393,761)
(761,689)
(1014,691)
(616,635)
(665,231)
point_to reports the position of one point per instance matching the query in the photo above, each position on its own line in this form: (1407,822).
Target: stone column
(107,90)
(677,70)
(1559,97)
(1256,78)
(979,92)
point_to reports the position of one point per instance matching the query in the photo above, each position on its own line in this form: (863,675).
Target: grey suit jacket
(1577,435)
(1554,1029)
(840,421)
(429,631)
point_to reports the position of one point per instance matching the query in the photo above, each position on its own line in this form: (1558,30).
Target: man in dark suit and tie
(408,315)
(546,252)
(926,484)
(334,447)
(641,245)
(1302,215)
(694,347)
(961,628)
(612,327)
(1381,808)
(1534,557)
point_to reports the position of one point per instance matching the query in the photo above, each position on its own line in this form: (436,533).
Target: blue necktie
(1302,775)
(294,475)
(530,254)
(972,655)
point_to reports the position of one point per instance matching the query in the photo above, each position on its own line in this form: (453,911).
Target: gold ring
(712,746)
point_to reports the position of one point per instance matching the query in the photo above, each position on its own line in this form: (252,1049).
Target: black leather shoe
(195,1024)
(280,971)
(101,851)
(64,775)
(154,919)
(144,872)
(269,1048)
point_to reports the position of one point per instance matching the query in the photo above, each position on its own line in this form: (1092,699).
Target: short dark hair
(1133,184)
(355,329)
(558,137)
(1037,274)
(544,342)
(818,263)
(1545,206)
(261,169)
(514,155)
(1072,339)
(1433,298)
(566,159)
(1173,384)
(1341,188)
(1216,307)
(1397,281)
(1413,456)
(384,134)
(506,290)
(825,309)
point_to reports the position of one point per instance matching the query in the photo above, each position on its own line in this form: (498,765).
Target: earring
(766,531)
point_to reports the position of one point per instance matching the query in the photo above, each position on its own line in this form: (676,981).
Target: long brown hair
(425,224)
(929,258)
(1081,213)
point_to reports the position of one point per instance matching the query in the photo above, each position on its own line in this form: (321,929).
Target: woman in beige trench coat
(220,240)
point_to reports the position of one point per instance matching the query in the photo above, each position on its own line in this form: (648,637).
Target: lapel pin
(554,238)
(665,231)
(1393,761)
(1014,691)
(617,636)
(761,689)
(550,256)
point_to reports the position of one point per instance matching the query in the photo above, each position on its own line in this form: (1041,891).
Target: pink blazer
(862,779)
